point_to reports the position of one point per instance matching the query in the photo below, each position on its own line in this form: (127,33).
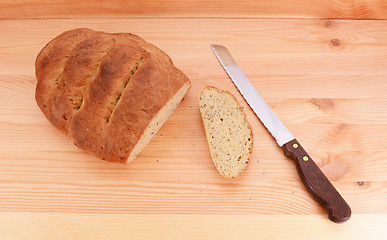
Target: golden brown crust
(103,89)
(79,71)
(146,45)
(51,61)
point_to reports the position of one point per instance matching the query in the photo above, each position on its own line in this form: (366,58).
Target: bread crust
(103,89)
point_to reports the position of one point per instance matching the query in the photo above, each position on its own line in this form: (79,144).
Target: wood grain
(360,9)
(174,226)
(331,96)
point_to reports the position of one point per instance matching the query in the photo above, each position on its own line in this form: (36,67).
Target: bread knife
(313,178)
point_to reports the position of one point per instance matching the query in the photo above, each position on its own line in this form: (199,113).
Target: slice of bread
(228,132)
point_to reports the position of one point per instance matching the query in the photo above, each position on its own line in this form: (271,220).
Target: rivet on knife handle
(317,183)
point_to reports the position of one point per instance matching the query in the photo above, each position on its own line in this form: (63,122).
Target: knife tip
(218,48)
(214,46)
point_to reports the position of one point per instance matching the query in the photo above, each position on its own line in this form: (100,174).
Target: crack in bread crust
(101,98)
(79,71)
(92,77)
(59,77)
(131,74)
(51,61)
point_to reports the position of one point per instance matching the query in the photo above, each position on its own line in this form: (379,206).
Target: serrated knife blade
(313,178)
(256,102)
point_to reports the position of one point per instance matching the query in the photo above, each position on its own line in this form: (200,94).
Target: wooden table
(320,66)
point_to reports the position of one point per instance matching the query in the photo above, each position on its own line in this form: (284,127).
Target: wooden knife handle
(317,183)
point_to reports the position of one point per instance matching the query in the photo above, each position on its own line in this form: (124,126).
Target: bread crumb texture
(110,93)
(228,132)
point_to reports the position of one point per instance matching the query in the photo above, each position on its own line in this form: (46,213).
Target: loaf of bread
(228,132)
(110,93)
